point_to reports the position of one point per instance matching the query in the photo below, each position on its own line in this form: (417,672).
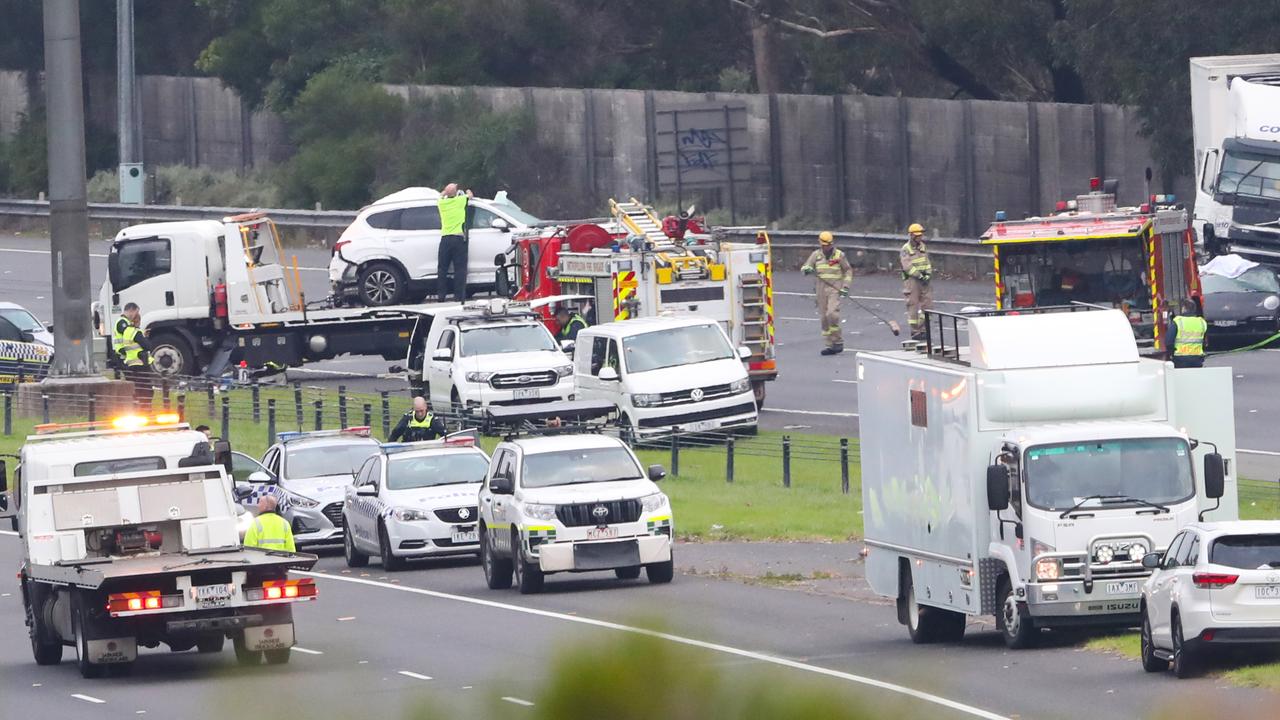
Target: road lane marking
(99,255)
(900,298)
(1258,452)
(701,644)
(517,701)
(413,675)
(851,382)
(88,698)
(827,413)
(307,651)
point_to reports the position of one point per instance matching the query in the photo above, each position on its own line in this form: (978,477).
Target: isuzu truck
(1020,463)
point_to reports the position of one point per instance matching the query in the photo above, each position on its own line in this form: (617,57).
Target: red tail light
(1213,581)
(282,590)
(339,245)
(129,602)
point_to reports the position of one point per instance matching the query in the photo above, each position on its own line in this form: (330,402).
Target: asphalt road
(812,394)
(378,645)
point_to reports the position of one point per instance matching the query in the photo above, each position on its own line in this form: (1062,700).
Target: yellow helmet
(915,229)
(826,238)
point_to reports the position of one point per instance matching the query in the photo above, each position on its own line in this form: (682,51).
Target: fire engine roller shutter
(694,294)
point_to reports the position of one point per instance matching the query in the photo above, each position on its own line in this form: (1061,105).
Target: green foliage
(457,138)
(24,159)
(195,186)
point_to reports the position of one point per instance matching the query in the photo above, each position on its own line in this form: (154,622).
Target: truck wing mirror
(998,487)
(1214,475)
(608,373)
(500,260)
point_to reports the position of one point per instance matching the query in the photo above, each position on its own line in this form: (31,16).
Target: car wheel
(381,283)
(660,573)
(627,573)
(244,655)
(528,575)
(212,643)
(278,657)
(355,558)
(46,652)
(1150,662)
(497,570)
(1184,661)
(390,562)
(172,356)
(1015,623)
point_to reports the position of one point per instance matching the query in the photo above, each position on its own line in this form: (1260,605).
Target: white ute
(572,503)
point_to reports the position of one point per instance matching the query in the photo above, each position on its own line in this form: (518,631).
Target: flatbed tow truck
(129,538)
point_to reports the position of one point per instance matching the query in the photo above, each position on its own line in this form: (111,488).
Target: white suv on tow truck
(572,503)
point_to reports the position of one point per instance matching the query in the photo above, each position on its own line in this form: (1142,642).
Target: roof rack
(939,323)
(552,418)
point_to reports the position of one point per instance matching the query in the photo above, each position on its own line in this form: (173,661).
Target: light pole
(132,179)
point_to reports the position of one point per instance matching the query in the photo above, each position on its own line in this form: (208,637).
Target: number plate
(1226,323)
(527,393)
(465,536)
(1128,587)
(703,426)
(1267,592)
(212,596)
(602,533)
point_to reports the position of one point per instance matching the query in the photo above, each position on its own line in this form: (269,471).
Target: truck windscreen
(506,339)
(1154,470)
(1251,174)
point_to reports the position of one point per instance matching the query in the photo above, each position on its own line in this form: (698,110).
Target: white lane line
(41,252)
(517,701)
(414,675)
(307,651)
(88,698)
(8,532)
(1258,452)
(810,412)
(799,319)
(716,647)
(851,382)
(900,298)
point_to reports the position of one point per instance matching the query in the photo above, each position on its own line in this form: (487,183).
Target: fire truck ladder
(755,316)
(639,219)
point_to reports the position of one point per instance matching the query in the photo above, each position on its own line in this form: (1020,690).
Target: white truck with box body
(1026,474)
(1235,113)
(129,538)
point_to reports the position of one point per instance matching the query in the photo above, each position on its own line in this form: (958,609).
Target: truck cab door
(140,270)
(440,367)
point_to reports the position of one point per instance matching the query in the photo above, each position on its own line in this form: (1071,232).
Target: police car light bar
(461,438)
(289,435)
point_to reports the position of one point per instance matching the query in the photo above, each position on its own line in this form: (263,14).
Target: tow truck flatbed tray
(94,574)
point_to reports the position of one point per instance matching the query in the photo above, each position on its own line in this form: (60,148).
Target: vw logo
(464,513)
(600,512)
(696,395)
(524,379)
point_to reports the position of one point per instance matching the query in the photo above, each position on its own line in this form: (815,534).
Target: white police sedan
(415,500)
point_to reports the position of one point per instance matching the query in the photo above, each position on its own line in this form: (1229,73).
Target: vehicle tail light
(1213,581)
(141,601)
(339,245)
(1095,184)
(282,590)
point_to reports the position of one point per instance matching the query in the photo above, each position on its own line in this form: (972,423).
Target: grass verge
(1259,675)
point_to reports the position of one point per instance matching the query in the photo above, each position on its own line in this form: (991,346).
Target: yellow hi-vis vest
(424,423)
(125,342)
(918,261)
(270,532)
(828,268)
(1190,340)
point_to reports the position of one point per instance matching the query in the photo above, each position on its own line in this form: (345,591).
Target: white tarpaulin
(1231,266)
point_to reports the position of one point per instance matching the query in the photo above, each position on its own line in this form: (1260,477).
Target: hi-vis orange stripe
(766,271)
(624,290)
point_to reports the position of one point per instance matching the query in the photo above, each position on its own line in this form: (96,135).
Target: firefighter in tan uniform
(834,276)
(917,271)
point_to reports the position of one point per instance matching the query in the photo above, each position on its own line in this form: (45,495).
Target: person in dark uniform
(570,323)
(418,424)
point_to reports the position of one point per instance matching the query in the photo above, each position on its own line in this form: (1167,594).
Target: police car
(23,354)
(310,472)
(415,500)
(572,503)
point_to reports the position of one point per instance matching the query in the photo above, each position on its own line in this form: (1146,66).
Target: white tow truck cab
(129,538)
(216,293)
(486,353)
(565,499)
(666,374)
(1025,474)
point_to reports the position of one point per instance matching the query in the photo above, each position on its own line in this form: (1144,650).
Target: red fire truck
(1138,259)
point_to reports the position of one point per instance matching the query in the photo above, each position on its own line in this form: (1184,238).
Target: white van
(388,255)
(666,373)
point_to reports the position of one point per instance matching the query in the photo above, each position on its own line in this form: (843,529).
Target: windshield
(1252,174)
(21,318)
(1258,279)
(499,339)
(677,346)
(1246,552)
(321,460)
(515,212)
(571,467)
(1157,470)
(406,473)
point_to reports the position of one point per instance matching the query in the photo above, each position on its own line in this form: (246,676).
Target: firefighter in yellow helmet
(917,271)
(834,276)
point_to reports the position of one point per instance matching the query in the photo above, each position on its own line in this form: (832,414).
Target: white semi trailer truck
(1235,112)
(1025,473)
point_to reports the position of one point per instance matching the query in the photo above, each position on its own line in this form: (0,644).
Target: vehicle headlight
(1105,554)
(479,377)
(301,501)
(1271,302)
(409,514)
(564,371)
(535,511)
(1048,569)
(740,386)
(1039,548)
(645,399)
(1137,551)
(654,502)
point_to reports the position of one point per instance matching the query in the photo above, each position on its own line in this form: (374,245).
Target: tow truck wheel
(1150,662)
(87,669)
(244,655)
(277,657)
(497,571)
(627,573)
(1014,622)
(528,575)
(661,573)
(381,283)
(212,643)
(355,558)
(390,562)
(44,651)
(171,355)
(930,624)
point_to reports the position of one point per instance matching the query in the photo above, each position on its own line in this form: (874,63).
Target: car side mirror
(567,346)
(997,487)
(656,472)
(501,485)
(1151,560)
(500,224)
(28,336)
(1214,475)
(259,477)
(367,491)
(6,505)
(608,373)
(744,352)
(444,354)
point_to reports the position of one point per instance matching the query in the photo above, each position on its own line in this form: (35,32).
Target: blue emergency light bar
(291,435)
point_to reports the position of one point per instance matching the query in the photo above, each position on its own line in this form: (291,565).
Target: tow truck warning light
(123,422)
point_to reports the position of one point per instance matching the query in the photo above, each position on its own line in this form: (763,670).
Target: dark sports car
(1241,309)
